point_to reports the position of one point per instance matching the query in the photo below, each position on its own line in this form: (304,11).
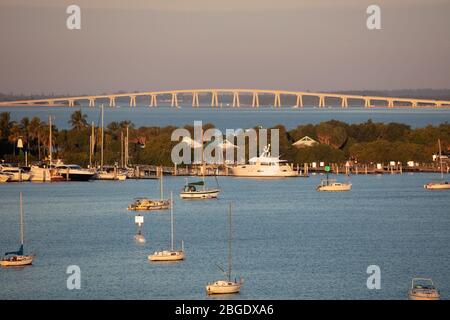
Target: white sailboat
(225,286)
(440,185)
(17,258)
(151,204)
(172,254)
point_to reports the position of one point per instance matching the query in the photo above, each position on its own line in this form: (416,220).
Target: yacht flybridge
(264,166)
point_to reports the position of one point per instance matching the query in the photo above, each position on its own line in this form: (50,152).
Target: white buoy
(138,237)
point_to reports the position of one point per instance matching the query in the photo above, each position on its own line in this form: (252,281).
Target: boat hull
(77,176)
(437,186)
(19,262)
(110,176)
(263,171)
(167,256)
(19,177)
(202,194)
(4,178)
(413,295)
(340,188)
(148,205)
(223,287)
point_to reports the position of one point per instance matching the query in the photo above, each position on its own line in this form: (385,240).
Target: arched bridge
(320,99)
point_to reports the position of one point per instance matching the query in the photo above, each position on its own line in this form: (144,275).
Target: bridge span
(212,99)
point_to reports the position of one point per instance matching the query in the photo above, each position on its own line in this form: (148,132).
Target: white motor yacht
(264,166)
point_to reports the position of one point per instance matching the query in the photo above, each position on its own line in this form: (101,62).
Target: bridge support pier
(91,102)
(112,101)
(71,103)
(174,102)
(236,102)
(277,101)
(299,102)
(367,103)
(255,100)
(321,101)
(153,101)
(132,101)
(195,102)
(344,103)
(214,99)
(390,103)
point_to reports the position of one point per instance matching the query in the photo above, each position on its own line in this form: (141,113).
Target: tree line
(337,141)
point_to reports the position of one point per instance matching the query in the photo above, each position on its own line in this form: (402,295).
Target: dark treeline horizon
(367,142)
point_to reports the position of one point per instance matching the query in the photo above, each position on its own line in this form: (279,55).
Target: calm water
(236,118)
(290,242)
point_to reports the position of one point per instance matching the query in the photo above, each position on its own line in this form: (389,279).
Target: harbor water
(228,117)
(289,241)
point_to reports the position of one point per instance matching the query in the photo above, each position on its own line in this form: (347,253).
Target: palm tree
(5,124)
(34,129)
(78,120)
(14,134)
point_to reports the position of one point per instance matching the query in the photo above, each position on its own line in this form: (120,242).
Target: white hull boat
(223,287)
(423,289)
(264,166)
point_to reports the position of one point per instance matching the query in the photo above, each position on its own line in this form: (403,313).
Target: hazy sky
(184,44)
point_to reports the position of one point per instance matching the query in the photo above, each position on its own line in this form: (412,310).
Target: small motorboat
(192,191)
(17,258)
(423,289)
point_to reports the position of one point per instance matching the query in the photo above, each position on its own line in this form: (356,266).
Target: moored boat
(18,258)
(16,174)
(264,166)
(442,184)
(226,286)
(172,254)
(151,204)
(73,172)
(423,289)
(332,185)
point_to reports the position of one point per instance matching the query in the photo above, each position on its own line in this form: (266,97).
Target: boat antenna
(102,140)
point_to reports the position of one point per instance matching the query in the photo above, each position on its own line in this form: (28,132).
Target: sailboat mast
(121,149)
(440,159)
(203,163)
(91,144)
(21,219)
(50,141)
(229,244)
(102,141)
(161,185)
(171,221)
